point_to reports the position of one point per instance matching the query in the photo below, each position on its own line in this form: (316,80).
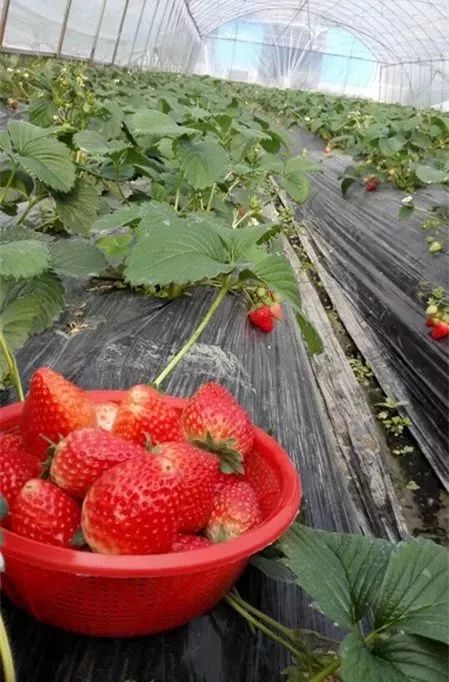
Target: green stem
(6,654)
(244,217)
(12,367)
(8,184)
(212,192)
(328,670)
(276,638)
(196,334)
(178,191)
(31,204)
(117,184)
(263,616)
(233,186)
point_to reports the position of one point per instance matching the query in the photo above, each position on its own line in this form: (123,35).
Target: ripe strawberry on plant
(214,420)
(371,185)
(43,512)
(85,454)
(105,414)
(440,329)
(17,466)
(53,408)
(235,511)
(262,318)
(187,543)
(132,508)
(276,311)
(199,471)
(144,416)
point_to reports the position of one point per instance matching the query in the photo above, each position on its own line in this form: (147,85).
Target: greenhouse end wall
(270,47)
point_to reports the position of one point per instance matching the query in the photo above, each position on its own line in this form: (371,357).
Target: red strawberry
(54,407)
(276,311)
(199,471)
(17,466)
(143,415)
(262,318)
(105,414)
(85,454)
(213,419)
(43,512)
(263,480)
(227,479)
(431,322)
(371,185)
(260,477)
(132,508)
(440,330)
(235,511)
(186,543)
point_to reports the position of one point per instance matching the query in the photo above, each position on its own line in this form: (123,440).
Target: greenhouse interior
(224,341)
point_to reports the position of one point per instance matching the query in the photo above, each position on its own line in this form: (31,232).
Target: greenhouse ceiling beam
(97,32)
(208,19)
(192,18)
(120,30)
(325,54)
(3,20)
(63,28)
(136,32)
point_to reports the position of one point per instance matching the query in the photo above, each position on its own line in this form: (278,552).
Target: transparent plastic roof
(388,50)
(393,30)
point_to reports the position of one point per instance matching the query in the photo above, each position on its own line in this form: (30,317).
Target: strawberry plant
(392,599)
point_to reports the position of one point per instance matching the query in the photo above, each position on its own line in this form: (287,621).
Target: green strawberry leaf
(155,123)
(203,162)
(342,573)
(397,658)
(430,175)
(41,110)
(414,592)
(187,252)
(78,208)
(16,321)
(93,143)
(77,258)
(275,272)
(296,185)
(23,258)
(48,291)
(123,216)
(42,156)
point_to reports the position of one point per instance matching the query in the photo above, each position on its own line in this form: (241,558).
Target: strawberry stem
(12,367)
(6,654)
(195,336)
(263,628)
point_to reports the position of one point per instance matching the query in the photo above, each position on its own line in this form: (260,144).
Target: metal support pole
(120,29)
(3,20)
(169,17)
(97,33)
(380,74)
(63,27)
(150,30)
(136,32)
(176,32)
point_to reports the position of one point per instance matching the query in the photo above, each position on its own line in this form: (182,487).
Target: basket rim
(125,566)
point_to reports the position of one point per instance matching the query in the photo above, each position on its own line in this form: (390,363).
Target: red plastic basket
(123,596)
